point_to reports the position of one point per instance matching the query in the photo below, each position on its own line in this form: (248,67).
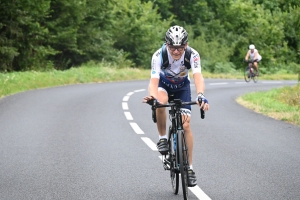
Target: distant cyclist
(254,56)
(174,80)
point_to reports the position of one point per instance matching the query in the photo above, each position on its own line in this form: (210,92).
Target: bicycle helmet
(176,36)
(251,46)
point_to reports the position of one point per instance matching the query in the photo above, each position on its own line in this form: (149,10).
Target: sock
(191,167)
(163,137)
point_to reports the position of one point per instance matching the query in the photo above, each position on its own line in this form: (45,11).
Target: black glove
(152,101)
(201,98)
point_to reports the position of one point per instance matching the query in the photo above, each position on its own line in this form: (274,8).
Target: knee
(186,126)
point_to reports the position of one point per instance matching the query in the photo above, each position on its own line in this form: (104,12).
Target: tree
(137,30)
(23,34)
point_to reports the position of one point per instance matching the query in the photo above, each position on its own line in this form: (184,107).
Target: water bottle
(175,135)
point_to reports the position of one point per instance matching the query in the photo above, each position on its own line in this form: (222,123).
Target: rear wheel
(174,172)
(247,74)
(183,161)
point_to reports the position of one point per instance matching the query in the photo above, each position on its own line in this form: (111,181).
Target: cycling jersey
(176,74)
(252,55)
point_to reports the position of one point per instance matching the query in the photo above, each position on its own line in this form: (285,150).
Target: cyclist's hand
(149,100)
(245,60)
(202,102)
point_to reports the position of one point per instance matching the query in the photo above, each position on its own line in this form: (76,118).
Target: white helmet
(251,46)
(177,36)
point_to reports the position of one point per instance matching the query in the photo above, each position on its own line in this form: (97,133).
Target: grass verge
(280,103)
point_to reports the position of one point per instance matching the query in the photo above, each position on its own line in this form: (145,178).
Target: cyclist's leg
(189,137)
(255,64)
(256,68)
(161,112)
(161,117)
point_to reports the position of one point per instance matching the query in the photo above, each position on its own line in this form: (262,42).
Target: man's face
(252,50)
(176,51)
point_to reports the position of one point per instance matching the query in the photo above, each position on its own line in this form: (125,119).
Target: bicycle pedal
(166,167)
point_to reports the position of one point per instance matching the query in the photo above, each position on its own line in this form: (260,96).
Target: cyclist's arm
(199,82)
(247,55)
(153,87)
(155,71)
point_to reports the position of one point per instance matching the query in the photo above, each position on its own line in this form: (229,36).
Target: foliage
(136,31)
(22,35)
(61,34)
(290,95)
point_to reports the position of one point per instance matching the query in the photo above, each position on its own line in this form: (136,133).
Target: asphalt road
(97,141)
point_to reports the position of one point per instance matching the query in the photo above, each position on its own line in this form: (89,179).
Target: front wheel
(183,162)
(255,75)
(247,74)
(174,173)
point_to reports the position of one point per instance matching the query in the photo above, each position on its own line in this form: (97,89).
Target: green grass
(268,103)
(280,103)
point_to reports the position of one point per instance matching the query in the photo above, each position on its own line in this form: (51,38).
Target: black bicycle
(250,72)
(177,158)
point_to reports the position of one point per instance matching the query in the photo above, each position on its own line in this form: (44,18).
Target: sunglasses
(173,48)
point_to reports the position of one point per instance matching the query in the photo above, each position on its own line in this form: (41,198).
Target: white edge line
(136,128)
(128,115)
(275,82)
(124,106)
(149,143)
(241,82)
(218,83)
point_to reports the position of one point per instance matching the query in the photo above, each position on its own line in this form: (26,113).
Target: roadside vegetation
(282,103)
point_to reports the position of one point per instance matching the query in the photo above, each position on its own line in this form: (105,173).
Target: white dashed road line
(124,106)
(125,98)
(150,143)
(136,128)
(128,116)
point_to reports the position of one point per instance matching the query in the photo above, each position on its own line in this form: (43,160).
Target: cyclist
(254,56)
(175,80)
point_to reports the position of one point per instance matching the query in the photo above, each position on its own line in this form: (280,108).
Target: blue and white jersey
(176,73)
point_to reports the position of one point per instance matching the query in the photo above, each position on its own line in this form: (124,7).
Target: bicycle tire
(255,76)
(247,74)
(174,173)
(183,156)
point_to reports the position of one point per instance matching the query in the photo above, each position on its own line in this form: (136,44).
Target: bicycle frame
(250,72)
(177,162)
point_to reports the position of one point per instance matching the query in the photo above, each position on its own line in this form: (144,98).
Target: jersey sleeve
(156,64)
(195,62)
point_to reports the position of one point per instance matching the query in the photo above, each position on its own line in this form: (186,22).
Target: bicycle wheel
(183,161)
(247,74)
(255,75)
(174,173)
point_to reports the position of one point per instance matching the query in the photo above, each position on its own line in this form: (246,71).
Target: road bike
(177,158)
(250,72)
